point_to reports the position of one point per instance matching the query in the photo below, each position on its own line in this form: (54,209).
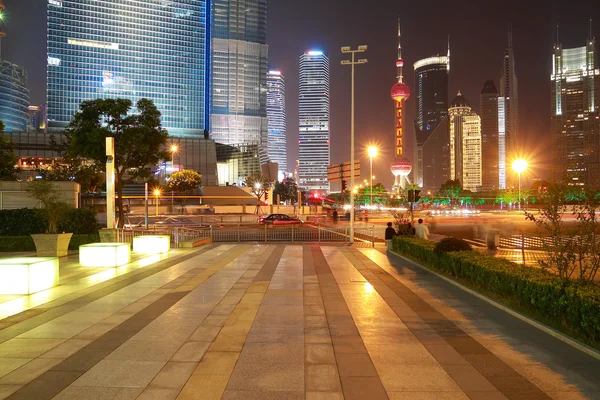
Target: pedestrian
(335,217)
(421,230)
(366,216)
(389,236)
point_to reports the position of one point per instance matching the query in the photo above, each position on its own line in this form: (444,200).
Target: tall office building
(576,115)
(465,144)
(276,115)
(508,114)
(239,73)
(436,157)
(431,79)
(314,150)
(130,49)
(488,110)
(14,95)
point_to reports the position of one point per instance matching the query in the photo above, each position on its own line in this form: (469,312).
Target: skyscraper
(576,115)
(488,109)
(465,144)
(276,115)
(508,114)
(239,72)
(436,157)
(314,150)
(400,92)
(431,79)
(130,49)
(14,95)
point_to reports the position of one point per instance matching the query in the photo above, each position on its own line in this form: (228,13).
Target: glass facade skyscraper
(314,150)
(276,115)
(239,72)
(488,109)
(130,49)
(576,115)
(14,97)
(465,144)
(508,114)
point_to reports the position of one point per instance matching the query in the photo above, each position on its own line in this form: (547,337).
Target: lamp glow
(28,275)
(104,255)
(174,149)
(151,244)
(372,151)
(519,166)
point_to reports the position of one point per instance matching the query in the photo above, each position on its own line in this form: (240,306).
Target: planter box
(52,245)
(151,244)
(107,255)
(26,275)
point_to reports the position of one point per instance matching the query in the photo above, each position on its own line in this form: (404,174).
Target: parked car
(279,219)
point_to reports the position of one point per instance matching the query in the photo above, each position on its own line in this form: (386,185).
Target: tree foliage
(49,196)
(139,139)
(88,176)
(259,185)
(287,190)
(451,190)
(8,158)
(184,181)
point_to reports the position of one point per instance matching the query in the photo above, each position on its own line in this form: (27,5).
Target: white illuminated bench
(26,275)
(151,244)
(104,254)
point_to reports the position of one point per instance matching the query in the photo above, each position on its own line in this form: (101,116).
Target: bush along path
(573,307)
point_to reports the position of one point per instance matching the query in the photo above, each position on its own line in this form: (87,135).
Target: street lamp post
(156,195)
(372,153)
(352,63)
(173,151)
(519,166)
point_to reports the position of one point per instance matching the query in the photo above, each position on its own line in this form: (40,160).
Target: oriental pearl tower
(400,92)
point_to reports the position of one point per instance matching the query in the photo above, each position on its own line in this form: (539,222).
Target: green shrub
(79,221)
(23,221)
(27,221)
(25,243)
(450,244)
(572,306)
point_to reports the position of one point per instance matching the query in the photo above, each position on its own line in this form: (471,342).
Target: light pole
(173,151)
(372,153)
(156,195)
(519,166)
(352,63)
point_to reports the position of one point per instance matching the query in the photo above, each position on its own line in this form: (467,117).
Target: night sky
(478,36)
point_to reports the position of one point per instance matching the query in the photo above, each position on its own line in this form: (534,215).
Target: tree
(8,158)
(49,197)
(184,181)
(287,190)
(451,190)
(259,186)
(139,139)
(88,176)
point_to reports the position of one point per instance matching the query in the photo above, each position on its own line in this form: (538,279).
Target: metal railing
(541,242)
(266,233)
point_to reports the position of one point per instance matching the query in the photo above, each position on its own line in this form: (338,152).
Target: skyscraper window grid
(129,49)
(276,114)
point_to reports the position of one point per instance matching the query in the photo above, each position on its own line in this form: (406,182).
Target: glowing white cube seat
(26,275)
(106,255)
(151,244)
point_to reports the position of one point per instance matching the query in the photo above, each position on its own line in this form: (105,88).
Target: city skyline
(277,123)
(473,63)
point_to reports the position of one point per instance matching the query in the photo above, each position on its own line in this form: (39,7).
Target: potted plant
(51,243)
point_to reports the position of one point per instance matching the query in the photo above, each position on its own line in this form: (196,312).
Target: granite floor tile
(66,349)
(121,373)
(205,334)
(265,377)
(7,365)
(29,371)
(27,348)
(319,354)
(204,387)
(174,375)
(401,354)
(217,363)
(410,378)
(324,396)
(428,396)
(322,378)
(361,388)
(156,393)
(7,390)
(191,351)
(272,353)
(469,379)
(98,393)
(261,395)
(355,365)
(145,350)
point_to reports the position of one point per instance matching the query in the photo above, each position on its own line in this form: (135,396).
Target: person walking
(421,230)
(389,236)
(335,217)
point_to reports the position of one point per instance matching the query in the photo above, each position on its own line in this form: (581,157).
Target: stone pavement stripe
(48,314)
(210,378)
(355,366)
(507,380)
(69,370)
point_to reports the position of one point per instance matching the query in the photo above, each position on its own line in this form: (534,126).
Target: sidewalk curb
(550,331)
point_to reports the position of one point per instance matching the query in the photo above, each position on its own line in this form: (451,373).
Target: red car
(279,219)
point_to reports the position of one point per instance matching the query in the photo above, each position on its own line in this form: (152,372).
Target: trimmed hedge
(25,243)
(571,305)
(27,221)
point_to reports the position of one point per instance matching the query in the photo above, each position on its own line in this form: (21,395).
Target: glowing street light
(156,195)
(519,166)
(372,151)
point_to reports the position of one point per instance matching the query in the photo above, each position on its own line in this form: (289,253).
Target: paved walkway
(276,322)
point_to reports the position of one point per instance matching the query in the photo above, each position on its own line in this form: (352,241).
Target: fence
(267,234)
(542,242)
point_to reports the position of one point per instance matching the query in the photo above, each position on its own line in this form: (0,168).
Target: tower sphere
(401,167)
(400,92)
